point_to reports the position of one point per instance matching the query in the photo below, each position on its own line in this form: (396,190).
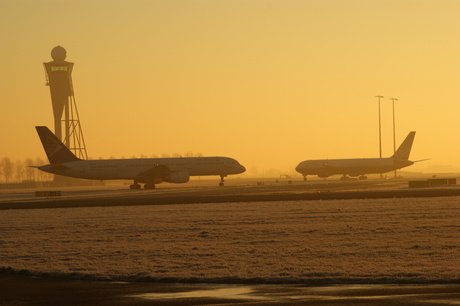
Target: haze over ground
(270,83)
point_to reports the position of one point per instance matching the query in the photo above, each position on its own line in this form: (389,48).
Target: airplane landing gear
(304,178)
(149,186)
(222,180)
(136,185)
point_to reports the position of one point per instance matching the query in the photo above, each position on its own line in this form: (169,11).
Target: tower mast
(66,118)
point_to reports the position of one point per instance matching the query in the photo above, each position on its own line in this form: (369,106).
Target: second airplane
(359,166)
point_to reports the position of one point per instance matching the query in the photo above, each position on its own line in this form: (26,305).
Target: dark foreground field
(326,252)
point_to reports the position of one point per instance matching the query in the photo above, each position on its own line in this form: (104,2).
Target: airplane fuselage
(351,167)
(114,169)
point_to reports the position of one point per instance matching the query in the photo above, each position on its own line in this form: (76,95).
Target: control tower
(66,120)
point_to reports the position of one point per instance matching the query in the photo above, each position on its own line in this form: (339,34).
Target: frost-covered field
(387,240)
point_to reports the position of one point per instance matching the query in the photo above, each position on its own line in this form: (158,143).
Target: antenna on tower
(66,118)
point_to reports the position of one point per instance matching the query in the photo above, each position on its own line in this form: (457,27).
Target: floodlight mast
(394,127)
(380,131)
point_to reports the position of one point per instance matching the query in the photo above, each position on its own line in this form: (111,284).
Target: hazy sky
(270,83)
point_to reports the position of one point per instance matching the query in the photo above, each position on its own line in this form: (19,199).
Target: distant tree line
(187,154)
(18,171)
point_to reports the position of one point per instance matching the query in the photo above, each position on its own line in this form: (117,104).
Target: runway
(206,192)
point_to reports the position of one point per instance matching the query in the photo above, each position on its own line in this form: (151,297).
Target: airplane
(359,166)
(150,171)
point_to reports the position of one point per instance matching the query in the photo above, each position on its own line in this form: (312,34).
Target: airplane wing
(155,173)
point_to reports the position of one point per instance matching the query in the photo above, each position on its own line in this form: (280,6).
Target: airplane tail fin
(404,149)
(56,151)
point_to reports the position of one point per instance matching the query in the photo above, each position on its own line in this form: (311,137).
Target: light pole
(394,127)
(380,131)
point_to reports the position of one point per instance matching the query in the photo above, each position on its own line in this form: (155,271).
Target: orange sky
(270,83)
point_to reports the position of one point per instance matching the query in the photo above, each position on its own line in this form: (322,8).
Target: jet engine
(323,173)
(177,177)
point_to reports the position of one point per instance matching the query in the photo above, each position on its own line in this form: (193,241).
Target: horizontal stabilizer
(420,160)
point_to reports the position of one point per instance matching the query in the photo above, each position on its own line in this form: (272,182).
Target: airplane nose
(242,169)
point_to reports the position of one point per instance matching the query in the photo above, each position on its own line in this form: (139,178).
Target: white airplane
(150,171)
(359,166)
